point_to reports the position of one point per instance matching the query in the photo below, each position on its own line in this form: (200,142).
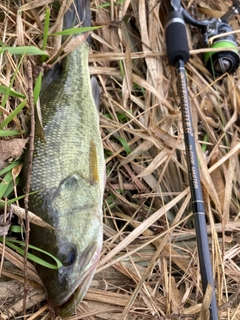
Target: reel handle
(220,62)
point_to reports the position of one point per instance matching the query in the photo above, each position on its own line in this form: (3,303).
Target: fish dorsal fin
(93,164)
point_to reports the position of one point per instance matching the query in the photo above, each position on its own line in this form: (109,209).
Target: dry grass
(149,265)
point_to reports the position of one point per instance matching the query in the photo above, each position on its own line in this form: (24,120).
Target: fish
(68,175)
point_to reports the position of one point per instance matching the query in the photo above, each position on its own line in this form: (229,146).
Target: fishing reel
(217,33)
(220,62)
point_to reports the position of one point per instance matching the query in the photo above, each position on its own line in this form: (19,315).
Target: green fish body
(69,175)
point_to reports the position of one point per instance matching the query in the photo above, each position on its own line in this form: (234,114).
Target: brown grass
(149,265)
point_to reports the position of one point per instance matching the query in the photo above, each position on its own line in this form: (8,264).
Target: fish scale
(69,176)
(72,127)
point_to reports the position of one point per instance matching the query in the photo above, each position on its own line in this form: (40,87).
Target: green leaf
(11,92)
(9,133)
(10,188)
(109,4)
(123,116)
(5,183)
(10,167)
(13,114)
(31,50)
(125,145)
(15,199)
(204,145)
(121,68)
(75,31)
(107,153)
(45,33)
(5,98)
(30,256)
(16,228)
(108,116)
(46,28)
(43,262)
(37,88)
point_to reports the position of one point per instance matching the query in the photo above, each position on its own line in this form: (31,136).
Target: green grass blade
(10,187)
(13,114)
(9,133)
(46,28)
(2,203)
(125,145)
(37,88)
(10,244)
(45,32)
(31,50)
(16,228)
(10,167)
(70,31)
(105,5)
(204,145)
(6,96)
(5,183)
(11,92)
(121,68)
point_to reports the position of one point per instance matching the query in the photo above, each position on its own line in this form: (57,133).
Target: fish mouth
(84,267)
(70,302)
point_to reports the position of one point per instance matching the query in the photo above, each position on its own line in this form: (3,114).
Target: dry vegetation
(149,265)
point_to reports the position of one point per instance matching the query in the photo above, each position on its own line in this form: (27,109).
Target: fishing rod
(217,63)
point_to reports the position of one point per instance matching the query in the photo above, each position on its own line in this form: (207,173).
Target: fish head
(69,284)
(76,214)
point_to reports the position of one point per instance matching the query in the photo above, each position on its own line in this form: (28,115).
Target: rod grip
(176,38)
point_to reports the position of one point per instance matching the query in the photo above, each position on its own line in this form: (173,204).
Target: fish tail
(78,13)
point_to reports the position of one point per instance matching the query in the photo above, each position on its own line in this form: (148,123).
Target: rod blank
(196,191)
(178,55)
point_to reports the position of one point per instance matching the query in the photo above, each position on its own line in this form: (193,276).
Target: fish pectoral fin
(93,164)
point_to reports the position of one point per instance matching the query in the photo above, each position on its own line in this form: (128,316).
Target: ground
(149,265)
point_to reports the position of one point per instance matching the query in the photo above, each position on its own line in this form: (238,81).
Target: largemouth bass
(69,175)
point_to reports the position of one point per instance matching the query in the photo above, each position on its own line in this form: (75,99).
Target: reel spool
(221,62)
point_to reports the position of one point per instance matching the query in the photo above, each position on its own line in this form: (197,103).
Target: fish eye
(67,254)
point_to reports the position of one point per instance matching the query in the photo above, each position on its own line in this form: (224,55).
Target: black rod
(178,55)
(196,190)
